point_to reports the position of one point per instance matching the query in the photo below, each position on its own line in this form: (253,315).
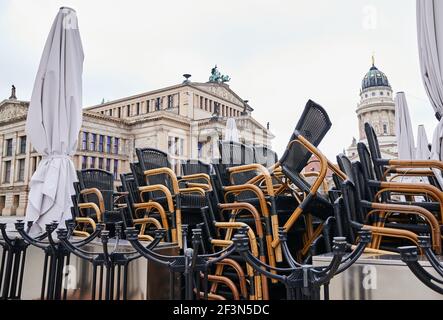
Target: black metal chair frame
(12,265)
(106,261)
(300,280)
(409,255)
(56,257)
(191,264)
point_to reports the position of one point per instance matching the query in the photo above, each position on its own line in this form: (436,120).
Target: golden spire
(373,59)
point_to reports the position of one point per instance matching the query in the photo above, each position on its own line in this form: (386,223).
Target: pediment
(221,91)
(12,110)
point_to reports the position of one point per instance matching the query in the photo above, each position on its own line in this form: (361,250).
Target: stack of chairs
(247,188)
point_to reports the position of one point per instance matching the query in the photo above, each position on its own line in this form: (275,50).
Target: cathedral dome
(374,78)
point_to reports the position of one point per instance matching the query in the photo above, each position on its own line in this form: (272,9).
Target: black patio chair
(383,191)
(316,208)
(235,172)
(98,197)
(383,168)
(162,185)
(360,212)
(197,173)
(152,212)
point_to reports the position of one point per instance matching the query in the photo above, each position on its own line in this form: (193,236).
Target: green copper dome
(374,78)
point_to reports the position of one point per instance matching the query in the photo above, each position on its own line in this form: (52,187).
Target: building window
(170,101)
(157,104)
(101,140)
(137,108)
(128,110)
(92,162)
(171,145)
(147,105)
(200,150)
(119,112)
(388,93)
(108,165)
(110,112)
(108,144)
(115,169)
(93,141)
(33,164)
(116,145)
(366,95)
(22,144)
(201,102)
(175,146)
(7,177)
(8,151)
(373,94)
(100,163)
(381,93)
(181,147)
(84,140)
(385,129)
(84,162)
(21,170)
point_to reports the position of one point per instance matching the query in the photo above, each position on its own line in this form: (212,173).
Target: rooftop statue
(13,93)
(217,77)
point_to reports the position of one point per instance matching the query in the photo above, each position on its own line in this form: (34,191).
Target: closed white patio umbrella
(403,128)
(54,120)
(422,151)
(430,46)
(231,132)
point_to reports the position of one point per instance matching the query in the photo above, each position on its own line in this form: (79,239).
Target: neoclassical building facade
(186,120)
(376,107)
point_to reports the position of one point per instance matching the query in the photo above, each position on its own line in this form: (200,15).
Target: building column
(23,203)
(9,209)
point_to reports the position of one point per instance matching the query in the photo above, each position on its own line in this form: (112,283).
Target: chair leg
(178,218)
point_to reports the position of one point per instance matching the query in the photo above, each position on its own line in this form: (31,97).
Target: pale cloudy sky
(279,53)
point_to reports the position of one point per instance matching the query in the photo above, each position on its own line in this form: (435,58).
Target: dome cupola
(374,78)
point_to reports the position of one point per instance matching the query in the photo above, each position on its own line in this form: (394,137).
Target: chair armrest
(147,221)
(415,210)
(196,176)
(98,194)
(87,221)
(166,171)
(227,282)
(203,186)
(396,233)
(240,274)
(264,174)
(161,188)
(192,190)
(421,188)
(154,205)
(93,206)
